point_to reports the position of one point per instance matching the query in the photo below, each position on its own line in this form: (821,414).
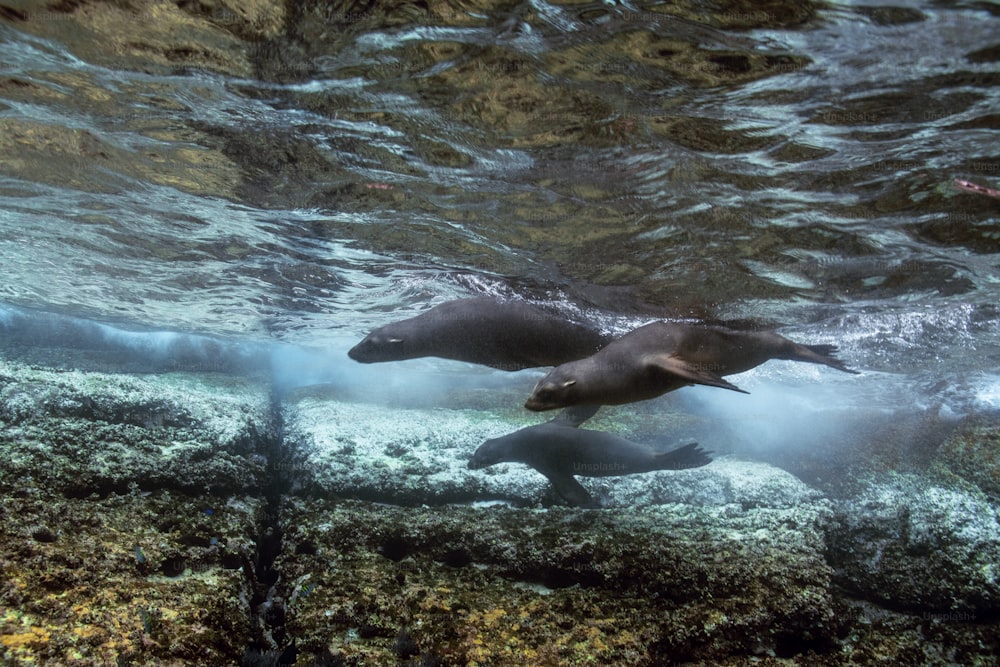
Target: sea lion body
(507,335)
(663,356)
(559,451)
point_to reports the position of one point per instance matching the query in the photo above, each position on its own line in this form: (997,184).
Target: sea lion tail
(688,456)
(824,354)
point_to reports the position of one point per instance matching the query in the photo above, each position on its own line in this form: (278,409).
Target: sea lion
(507,335)
(559,450)
(664,356)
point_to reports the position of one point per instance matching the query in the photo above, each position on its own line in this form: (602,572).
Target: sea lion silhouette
(559,450)
(664,356)
(507,335)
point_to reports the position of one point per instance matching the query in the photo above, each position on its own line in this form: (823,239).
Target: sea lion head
(489,453)
(383,344)
(558,389)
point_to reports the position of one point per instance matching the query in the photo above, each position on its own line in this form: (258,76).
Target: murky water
(339,167)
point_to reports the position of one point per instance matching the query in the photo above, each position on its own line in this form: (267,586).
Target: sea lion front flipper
(682,458)
(576,415)
(676,366)
(570,489)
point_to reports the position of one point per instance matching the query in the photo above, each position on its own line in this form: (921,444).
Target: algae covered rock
(170,519)
(131,506)
(914,544)
(506,586)
(973,453)
(83,433)
(872,634)
(137,579)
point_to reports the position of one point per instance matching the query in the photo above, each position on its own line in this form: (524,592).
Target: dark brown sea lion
(559,450)
(508,335)
(664,356)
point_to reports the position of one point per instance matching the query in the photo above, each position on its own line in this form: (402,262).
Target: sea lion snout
(377,346)
(357,352)
(486,455)
(479,459)
(540,404)
(551,392)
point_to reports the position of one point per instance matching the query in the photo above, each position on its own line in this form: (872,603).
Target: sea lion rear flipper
(676,366)
(570,489)
(682,458)
(822,354)
(576,415)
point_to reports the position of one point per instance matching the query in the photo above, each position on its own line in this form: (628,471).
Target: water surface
(304,176)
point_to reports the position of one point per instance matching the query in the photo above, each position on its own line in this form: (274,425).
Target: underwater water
(203,206)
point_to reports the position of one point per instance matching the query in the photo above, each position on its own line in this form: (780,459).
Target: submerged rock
(132,510)
(84,433)
(170,519)
(914,544)
(506,586)
(136,579)
(973,453)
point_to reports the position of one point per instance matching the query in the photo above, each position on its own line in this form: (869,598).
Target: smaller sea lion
(559,450)
(507,335)
(664,356)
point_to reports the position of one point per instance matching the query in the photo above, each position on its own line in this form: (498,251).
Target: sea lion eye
(568,383)
(395,341)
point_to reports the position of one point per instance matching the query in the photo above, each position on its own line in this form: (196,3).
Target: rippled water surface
(306,174)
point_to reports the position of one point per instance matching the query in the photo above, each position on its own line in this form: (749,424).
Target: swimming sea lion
(664,356)
(559,450)
(508,335)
